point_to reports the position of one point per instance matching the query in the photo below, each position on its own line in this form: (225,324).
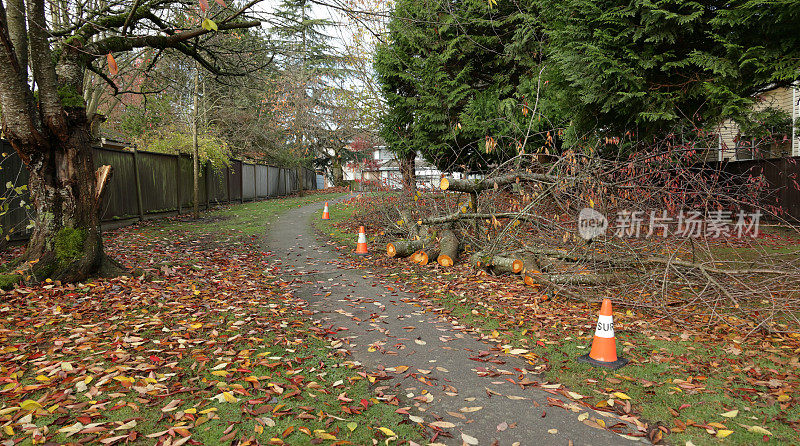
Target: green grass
(247,218)
(287,348)
(338,212)
(696,377)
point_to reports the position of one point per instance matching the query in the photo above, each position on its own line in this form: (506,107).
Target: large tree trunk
(338,174)
(66,242)
(408,172)
(53,139)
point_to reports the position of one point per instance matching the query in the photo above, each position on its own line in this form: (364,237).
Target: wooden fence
(150,185)
(782,192)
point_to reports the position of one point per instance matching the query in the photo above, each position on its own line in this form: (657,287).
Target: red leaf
(221,3)
(204,5)
(112,64)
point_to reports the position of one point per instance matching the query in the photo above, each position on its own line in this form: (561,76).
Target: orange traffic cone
(361,246)
(325,214)
(604,345)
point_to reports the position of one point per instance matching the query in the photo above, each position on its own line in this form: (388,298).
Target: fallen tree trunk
(448,246)
(499,264)
(428,254)
(403,248)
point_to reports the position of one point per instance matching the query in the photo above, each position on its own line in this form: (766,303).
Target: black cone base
(620,362)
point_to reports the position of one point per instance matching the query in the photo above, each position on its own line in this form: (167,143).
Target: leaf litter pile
(204,348)
(689,383)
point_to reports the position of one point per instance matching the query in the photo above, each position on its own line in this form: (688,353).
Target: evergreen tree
(648,69)
(311,67)
(460,80)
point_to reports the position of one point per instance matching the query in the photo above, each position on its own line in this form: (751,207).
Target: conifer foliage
(469,84)
(460,80)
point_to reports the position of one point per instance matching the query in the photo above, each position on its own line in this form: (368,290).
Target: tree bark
(403,248)
(427,254)
(408,173)
(338,174)
(473,186)
(449,248)
(66,242)
(499,264)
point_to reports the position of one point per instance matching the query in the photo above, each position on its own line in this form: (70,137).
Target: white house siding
(785,99)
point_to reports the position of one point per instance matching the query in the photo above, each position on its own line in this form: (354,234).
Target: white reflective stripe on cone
(605,327)
(362,238)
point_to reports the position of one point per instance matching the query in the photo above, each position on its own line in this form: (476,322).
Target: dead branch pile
(659,232)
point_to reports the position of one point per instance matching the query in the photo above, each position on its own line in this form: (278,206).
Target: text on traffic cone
(604,344)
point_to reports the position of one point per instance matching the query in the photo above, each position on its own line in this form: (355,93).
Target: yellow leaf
(731,414)
(621,395)
(324,435)
(209,25)
(723,433)
(387,432)
(191,410)
(42,378)
(8,430)
(229,398)
(219,373)
(8,410)
(758,430)
(209,410)
(783,398)
(30,405)
(259,429)
(352,426)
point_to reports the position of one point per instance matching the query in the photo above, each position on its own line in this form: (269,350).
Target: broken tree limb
(533,279)
(407,220)
(480,216)
(541,256)
(102,177)
(403,248)
(448,245)
(477,185)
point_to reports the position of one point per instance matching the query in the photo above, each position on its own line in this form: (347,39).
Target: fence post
(255,184)
(178,183)
(228,181)
(138,183)
(208,188)
(241,182)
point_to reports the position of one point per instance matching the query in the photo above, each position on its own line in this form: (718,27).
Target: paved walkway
(387,329)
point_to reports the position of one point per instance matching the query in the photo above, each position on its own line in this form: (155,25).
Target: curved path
(384,328)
